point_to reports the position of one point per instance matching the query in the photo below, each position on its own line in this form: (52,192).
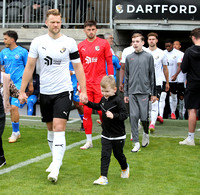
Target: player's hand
(30,89)
(83,98)
(167,87)
(109,114)
(173,78)
(126,99)
(153,99)
(22,97)
(121,88)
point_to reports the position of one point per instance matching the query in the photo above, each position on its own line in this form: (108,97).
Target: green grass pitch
(164,167)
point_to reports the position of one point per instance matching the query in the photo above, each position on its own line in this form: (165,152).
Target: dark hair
(195,33)
(90,23)
(100,36)
(11,33)
(169,41)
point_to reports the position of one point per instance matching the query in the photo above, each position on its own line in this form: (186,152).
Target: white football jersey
(159,61)
(181,76)
(127,51)
(54,58)
(173,58)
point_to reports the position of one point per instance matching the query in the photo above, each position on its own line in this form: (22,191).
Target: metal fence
(25,13)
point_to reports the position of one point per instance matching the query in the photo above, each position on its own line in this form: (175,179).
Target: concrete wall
(26,35)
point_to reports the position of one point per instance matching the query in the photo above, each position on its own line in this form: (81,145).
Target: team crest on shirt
(174,57)
(63,50)
(157,57)
(97,48)
(16,56)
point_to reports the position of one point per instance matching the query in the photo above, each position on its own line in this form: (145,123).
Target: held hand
(30,89)
(22,97)
(121,88)
(83,98)
(109,114)
(126,99)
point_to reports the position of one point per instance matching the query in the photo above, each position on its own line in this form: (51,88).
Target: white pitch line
(43,156)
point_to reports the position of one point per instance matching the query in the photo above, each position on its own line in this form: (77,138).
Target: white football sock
(59,146)
(190,136)
(154,112)
(50,135)
(162,103)
(89,137)
(173,102)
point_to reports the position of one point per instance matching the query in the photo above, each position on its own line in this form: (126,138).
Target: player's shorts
(181,89)
(55,106)
(158,91)
(172,87)
(15,102)
(75,96)
(192,99)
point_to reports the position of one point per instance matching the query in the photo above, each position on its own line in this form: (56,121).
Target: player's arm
(166,73)
(108,57)
(126,81)
(177,72)
(80,75)
(27,76)
(121,77)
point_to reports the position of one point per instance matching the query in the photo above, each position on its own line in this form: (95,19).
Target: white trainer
(86,146)
(145,140)
(53,176)
(101,181)
(187,142)
(125,173)
(14,137)
(136,147)
(49,169)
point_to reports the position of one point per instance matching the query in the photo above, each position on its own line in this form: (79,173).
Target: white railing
(20,13)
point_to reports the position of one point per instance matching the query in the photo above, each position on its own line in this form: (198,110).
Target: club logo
(63,50)
(119,9)
(97,48)
(16,56)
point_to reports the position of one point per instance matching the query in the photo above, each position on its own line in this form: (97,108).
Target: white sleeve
(123,60)
(33,51)
(74,54)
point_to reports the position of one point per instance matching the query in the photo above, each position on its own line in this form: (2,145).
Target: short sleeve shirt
(54,57)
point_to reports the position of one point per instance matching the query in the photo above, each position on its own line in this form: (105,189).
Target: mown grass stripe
(43,156)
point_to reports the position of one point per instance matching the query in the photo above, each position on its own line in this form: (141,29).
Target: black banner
(157,9)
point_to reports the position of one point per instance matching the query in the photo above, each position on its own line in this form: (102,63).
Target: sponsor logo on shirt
(90,60)
(49,61)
